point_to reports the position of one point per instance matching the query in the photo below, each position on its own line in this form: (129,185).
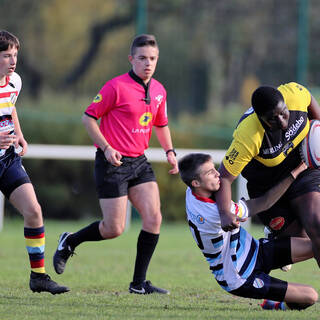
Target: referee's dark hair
(265,98)
(189,167)
(143,40)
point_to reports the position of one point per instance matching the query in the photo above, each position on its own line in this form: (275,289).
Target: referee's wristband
(171,150)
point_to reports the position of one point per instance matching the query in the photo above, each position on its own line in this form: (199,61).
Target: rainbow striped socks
(35,243)
(272,305)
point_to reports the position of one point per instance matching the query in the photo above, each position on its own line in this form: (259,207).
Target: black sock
(89,233)
(298,306)
(145,247)
(37,275)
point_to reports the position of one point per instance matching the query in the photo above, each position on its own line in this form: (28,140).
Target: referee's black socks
(89,233)
(146,244)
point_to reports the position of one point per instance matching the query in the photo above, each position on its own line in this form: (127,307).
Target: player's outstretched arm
(266,201)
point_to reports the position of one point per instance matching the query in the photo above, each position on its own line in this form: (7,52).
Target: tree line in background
(209,49)
(212,56)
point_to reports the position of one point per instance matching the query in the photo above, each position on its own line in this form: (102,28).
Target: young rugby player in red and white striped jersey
(14,181)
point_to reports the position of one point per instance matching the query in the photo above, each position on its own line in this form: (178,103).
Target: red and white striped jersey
(8,97)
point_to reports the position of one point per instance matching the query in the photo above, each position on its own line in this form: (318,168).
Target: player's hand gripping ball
(310,146)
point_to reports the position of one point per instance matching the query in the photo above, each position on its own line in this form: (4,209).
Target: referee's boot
(41,282)
(62,254)
(146,287)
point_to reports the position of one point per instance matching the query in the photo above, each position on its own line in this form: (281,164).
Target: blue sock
(272,305)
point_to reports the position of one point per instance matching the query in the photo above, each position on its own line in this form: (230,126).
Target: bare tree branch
(98,33)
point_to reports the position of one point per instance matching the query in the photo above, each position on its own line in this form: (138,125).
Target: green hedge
(66,189)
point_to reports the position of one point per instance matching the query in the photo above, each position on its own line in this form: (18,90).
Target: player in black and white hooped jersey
(240,263)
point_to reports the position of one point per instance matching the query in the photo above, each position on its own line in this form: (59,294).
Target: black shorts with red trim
(114,182)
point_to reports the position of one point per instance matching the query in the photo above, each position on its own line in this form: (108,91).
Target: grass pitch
(100,273)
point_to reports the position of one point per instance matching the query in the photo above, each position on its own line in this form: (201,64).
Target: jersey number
(197,234)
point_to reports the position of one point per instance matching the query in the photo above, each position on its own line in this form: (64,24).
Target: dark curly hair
(265,98)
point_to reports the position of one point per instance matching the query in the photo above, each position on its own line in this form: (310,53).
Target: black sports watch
(171,150)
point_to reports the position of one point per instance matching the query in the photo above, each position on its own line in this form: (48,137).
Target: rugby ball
(310,146)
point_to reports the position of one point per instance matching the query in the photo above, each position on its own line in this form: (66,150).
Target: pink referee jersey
(128,110)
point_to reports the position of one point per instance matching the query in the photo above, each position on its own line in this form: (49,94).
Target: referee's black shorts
(114,182)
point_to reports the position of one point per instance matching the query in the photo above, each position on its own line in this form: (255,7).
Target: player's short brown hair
(143,40)
(189,167)
(7,40)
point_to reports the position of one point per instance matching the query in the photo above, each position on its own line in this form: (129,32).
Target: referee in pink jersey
(128,107)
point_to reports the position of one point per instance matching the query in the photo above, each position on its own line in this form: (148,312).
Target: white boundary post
(242,188)
(128,216)
(242,192)
(64,152)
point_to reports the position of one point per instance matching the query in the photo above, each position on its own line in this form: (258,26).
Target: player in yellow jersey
(264,149)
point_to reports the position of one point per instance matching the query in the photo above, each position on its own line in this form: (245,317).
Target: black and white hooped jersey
(8,97)
(231,255)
